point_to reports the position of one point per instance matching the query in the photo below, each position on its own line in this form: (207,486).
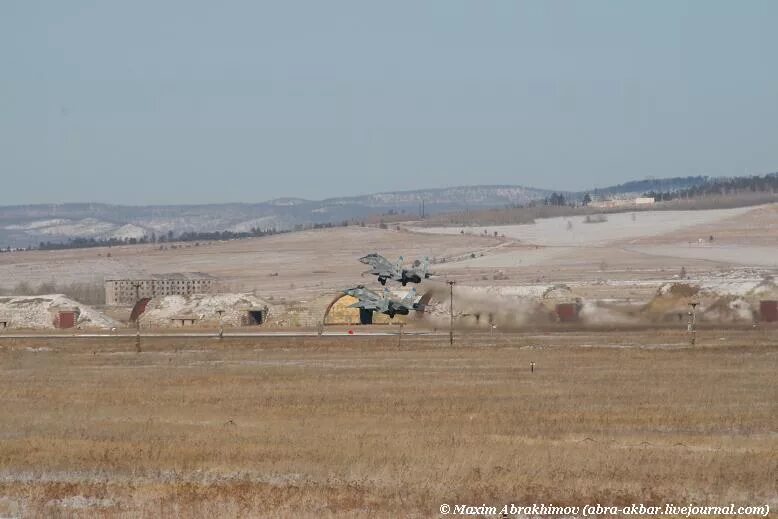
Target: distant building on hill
(129,290)
(622,202)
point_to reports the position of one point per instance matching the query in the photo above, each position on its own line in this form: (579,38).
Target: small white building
(622,202)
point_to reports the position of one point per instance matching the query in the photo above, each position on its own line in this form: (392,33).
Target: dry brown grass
(354,426)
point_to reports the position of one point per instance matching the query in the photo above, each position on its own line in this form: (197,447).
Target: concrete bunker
(768,310)
(564,303)
(567,312)
(255,317)
(203,310)
(67,318)
(51,311)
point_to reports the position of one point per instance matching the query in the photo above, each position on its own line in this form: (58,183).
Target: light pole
(137,286)
(692,327)
(451,312)
(221,326)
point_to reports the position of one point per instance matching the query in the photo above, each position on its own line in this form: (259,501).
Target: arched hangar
(340,312)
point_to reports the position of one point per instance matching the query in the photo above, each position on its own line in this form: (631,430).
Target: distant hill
(721,186)
(659,185)
(28,225)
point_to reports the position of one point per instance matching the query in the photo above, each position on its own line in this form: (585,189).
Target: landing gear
(365,316)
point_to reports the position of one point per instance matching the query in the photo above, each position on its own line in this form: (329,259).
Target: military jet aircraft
(381,267)
(369,302)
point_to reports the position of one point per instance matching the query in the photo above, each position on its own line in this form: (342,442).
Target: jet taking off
(381,267)
(369,302)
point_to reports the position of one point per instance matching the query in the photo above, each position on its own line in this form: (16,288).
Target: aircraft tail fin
(425,267)
(409,297)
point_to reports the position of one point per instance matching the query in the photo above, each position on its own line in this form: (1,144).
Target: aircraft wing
(366,304)
(380,265)
(366,298)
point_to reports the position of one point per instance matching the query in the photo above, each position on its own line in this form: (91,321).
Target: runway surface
(226,335)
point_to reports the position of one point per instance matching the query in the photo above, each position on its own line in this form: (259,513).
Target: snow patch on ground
(737,254)
(573,231)
(262,223)
(38,224)
(724,298)
(86,228)
(126,232)
(738,282)
(81,502)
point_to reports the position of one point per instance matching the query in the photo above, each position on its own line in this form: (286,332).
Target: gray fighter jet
(385,303)
(382,268)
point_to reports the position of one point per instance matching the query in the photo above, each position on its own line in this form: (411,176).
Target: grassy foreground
(355,426)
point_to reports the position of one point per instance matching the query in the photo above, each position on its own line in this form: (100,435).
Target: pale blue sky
(191,101)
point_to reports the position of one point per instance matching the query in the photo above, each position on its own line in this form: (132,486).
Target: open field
(294,266)
(742,236)
(621,258)
(361,427)
(625,257)
(574,231)
(314,262)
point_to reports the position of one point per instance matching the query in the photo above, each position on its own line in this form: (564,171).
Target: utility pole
(692,326)
(221,325)
(451,313)
(137,286)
